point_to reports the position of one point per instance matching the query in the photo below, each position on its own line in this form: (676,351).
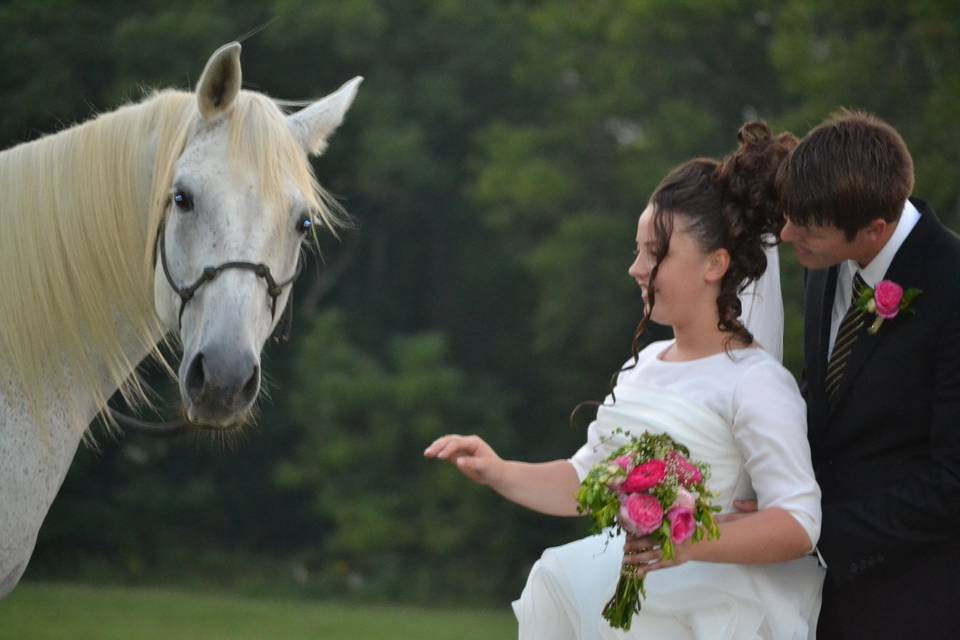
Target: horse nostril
(196,377)
(252,386)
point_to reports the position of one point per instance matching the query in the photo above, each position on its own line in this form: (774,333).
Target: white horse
(184,214)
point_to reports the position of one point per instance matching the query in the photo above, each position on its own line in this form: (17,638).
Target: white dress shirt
(873,272)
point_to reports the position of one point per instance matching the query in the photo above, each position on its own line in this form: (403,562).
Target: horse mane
(79,212)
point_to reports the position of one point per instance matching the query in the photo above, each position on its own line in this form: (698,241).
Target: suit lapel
(902,270)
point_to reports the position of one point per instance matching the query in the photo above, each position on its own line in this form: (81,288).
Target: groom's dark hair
(851,169)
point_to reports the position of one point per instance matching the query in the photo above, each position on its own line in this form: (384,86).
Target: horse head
(242,204)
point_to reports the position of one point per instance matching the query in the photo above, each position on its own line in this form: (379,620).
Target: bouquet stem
(625,601)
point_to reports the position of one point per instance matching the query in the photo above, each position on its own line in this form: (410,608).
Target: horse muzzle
(220,386)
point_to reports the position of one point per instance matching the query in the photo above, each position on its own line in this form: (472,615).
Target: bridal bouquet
(648,487)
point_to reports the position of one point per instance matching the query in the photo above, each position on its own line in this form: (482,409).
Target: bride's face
(686,275)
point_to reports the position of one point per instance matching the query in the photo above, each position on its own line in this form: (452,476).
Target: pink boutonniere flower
(886,300)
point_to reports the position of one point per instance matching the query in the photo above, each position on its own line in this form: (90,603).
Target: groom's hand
(470,454)
(745,508)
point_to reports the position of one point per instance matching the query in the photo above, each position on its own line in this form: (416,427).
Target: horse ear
(313,124)
(220,82)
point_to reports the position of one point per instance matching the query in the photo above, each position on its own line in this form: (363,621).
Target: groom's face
(816,246)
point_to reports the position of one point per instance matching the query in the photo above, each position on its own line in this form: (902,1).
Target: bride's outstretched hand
(470,454)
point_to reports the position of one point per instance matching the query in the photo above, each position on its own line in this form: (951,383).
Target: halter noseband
(274,288)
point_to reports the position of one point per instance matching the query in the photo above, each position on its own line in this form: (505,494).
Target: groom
(883,407)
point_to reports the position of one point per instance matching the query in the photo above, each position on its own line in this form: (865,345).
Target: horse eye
(183,200)
(304,223)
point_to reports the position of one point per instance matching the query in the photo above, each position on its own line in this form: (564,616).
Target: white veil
(762,301)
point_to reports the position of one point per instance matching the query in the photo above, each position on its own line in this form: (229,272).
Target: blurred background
(495,160)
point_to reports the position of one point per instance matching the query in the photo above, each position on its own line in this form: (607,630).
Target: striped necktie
(846,339)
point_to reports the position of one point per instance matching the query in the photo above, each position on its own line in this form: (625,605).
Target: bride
(704,236)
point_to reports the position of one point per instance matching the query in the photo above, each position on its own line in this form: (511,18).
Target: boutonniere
(886,300)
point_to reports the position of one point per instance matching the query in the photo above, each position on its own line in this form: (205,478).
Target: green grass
(41,611)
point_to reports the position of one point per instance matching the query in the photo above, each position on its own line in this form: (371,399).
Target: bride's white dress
(744,416)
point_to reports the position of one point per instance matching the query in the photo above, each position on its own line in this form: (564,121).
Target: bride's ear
(717,264)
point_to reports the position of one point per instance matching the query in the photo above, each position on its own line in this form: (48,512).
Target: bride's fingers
(642,557)
(637,543)
(469,446)
(452,447)
(446,449)
(463,446)
(656,566)
(437,445)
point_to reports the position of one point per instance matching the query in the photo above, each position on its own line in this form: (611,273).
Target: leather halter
(274,288)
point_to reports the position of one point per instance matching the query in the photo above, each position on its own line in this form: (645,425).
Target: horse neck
(44,359)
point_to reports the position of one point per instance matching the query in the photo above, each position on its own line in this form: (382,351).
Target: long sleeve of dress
(769,426)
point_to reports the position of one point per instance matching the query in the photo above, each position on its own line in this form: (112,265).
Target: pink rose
(645,476)
(887,296)
(687,473)
(682,524)
(641,514)
(685,500)
(625,462)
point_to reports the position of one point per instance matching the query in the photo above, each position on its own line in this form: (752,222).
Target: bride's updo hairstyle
(730,204)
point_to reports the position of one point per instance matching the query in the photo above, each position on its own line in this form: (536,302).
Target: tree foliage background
(496,160)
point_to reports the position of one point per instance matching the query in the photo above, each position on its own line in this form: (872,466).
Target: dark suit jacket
(887,451)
